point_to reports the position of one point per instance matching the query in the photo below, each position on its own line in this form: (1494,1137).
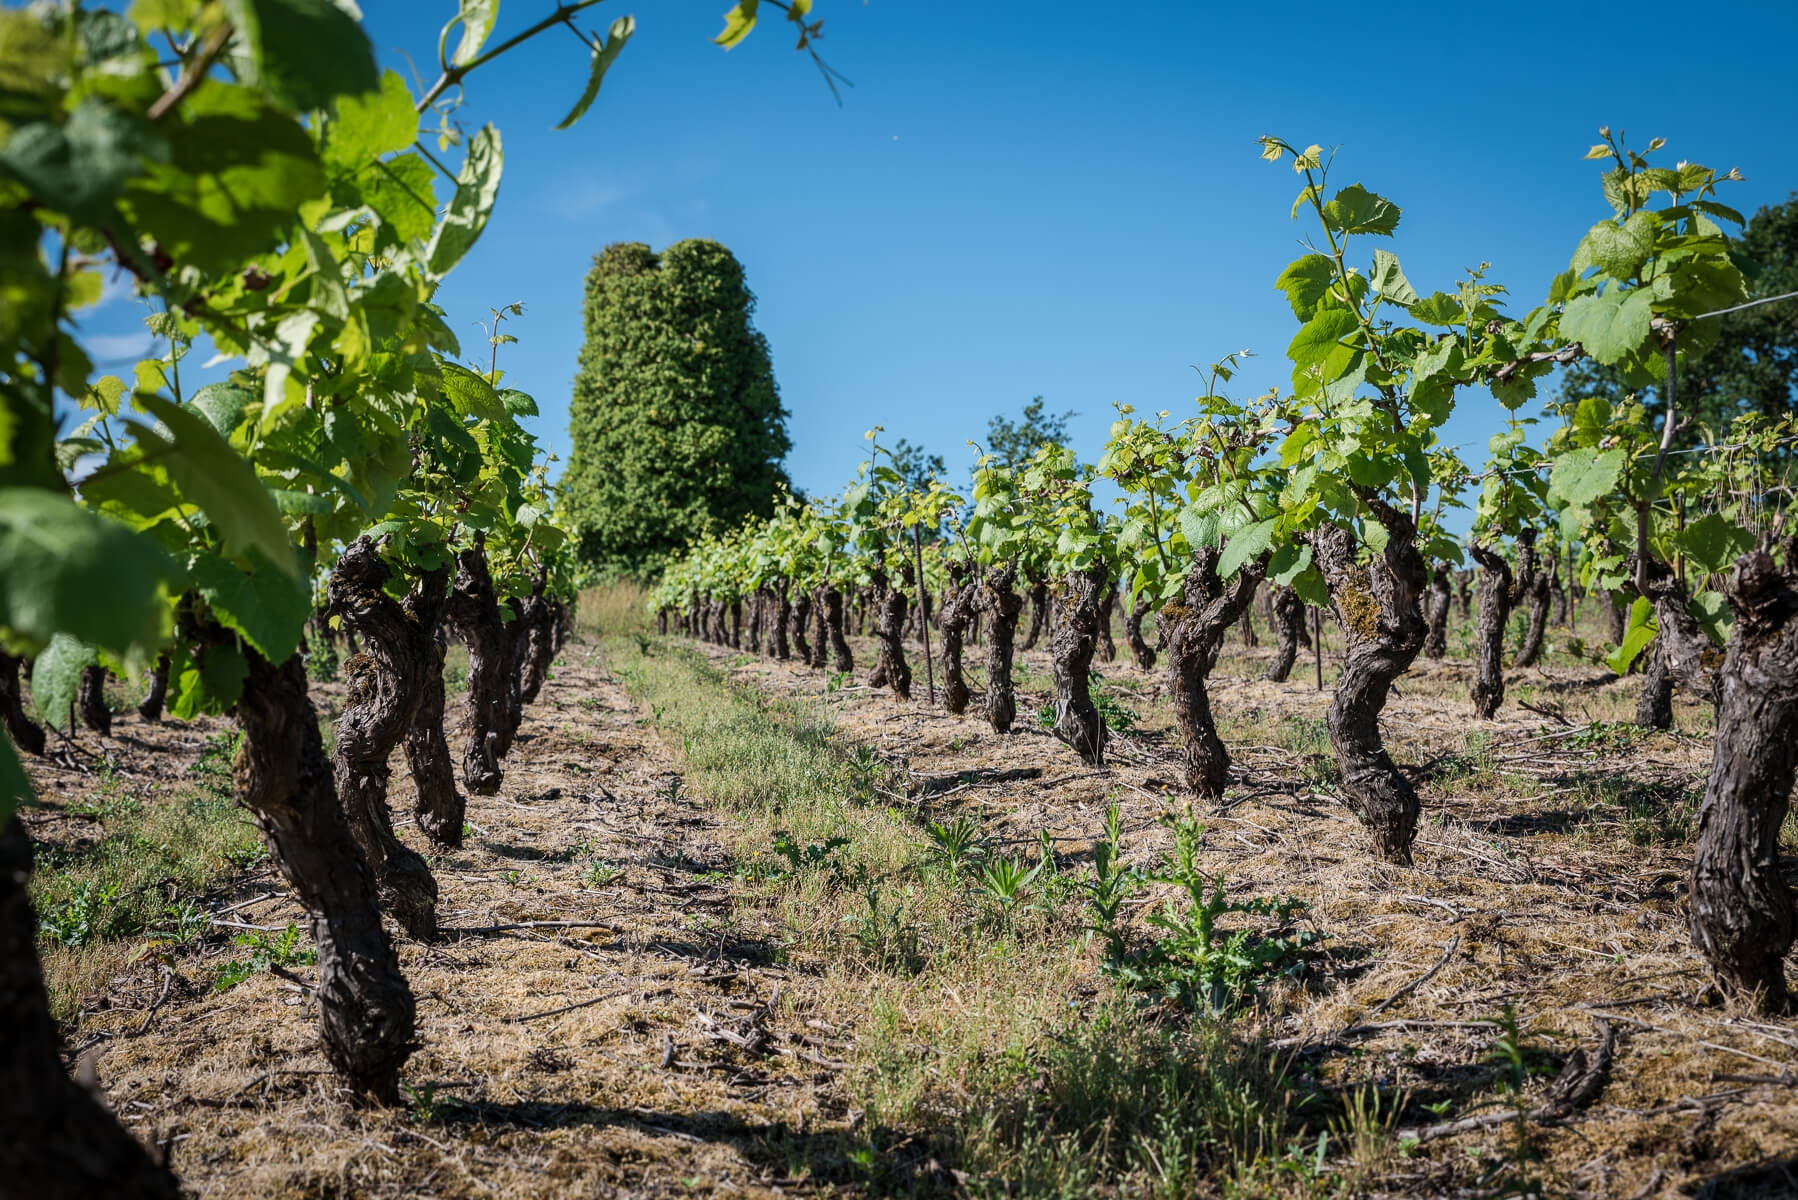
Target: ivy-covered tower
(676,423)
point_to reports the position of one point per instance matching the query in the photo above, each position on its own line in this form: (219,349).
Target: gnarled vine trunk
(952,622)
(366,1012)
(1435,641)
(383,684)
(1139,646)
(1533,593)
(780,615)
(1002,604)
(841,657)
(1289,630)
(540,640)
(1497,593)
(1039,612)
(1741,909)
(758,605)
(820,631)
(150,707)
(1071,644)
(1192,630)
(473,613)
(1108,650)
(1681,654)
(802,617)
(440,808)
(890,667)
(1379,608)
(60,1143)
(26,734)
(90,701)
(1463,584)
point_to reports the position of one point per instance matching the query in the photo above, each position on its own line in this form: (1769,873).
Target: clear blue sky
(1065,199)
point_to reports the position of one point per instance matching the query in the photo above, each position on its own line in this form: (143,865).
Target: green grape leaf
(1306,282)
(1714,615)
(1617,250)
(306,52)
(1390,282)
(216,477)
(1200,525)
(1438,308)
(1642,630)
(1288,561)
(1712,542)
(476,188)
(471,395)
(372,124)
(1611,324)
(1245,544)
(56,677)
(81,166)
(267,606)
(403,193)
(519,404)
(223,405)
(68,570)
(604,55)
(1357,210)
(237,174)
(210,684)
(1321,337)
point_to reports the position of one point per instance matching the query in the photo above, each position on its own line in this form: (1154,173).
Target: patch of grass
(969,975)
(616,607)
(158,849)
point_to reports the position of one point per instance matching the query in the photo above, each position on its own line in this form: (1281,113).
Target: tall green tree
(676,422)
(1012,443)
(1752,366)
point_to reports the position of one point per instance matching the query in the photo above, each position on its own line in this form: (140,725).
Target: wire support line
(1750,304)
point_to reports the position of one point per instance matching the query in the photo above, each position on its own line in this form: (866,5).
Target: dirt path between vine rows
(637,1050)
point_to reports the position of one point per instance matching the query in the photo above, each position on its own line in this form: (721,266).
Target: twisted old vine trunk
(1139,646)
(1193,628)
(1039,612)
(439,807)
(1079,601)
(1289,628)
(473,613)
(1681,653)
(366,1014)
(780,615)
(1002,604)
(1378,606)
(1463,582)
(383,685)
(952,621)
(1498,591)
(841,657)
(540,640)
(150,707)
(1435,642)
(1108,650)
(802,617)
(26,734)
(90,701)
(1741,909)
(757,604)
(890,668)
(60,1142)
(820,631)
(1533,593)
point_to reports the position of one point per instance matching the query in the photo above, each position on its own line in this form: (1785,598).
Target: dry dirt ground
(1549,878)
(578,1020)
(593,1023)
